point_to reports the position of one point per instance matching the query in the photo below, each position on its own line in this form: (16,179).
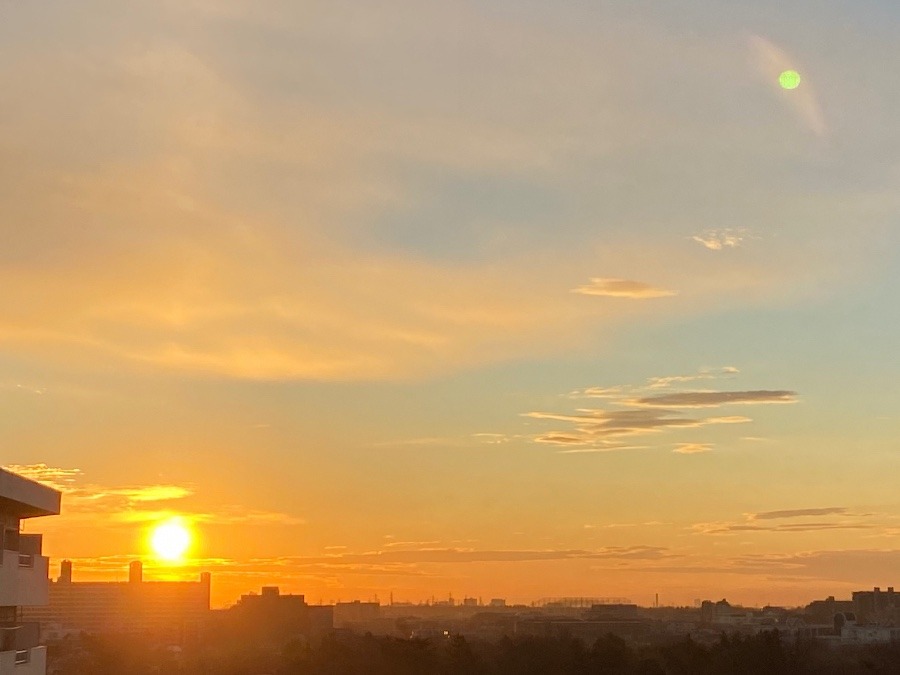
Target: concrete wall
(24,586)
(37,663)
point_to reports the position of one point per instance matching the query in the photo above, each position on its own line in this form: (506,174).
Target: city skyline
(499,300)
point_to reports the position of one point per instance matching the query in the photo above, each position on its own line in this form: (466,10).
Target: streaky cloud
(798,513)
(622,288)
(712,399)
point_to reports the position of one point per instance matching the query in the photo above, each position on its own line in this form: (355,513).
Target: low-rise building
(275,619)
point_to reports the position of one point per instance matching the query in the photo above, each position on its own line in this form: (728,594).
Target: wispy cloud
(622,288)
(667,381)
(53,476)
(693,448)
(90,502)
(759,522)
(731,528)
(717,240)
(594,425)
(713,399)
(641,410)
(797,513)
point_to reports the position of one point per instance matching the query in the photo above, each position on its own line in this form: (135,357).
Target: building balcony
(19,636)
(20,651)
(24,661)
(24,574)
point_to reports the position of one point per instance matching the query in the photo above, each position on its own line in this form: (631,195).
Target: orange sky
(498,301)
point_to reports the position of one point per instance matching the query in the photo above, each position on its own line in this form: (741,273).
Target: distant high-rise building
(23,573)
(166,610)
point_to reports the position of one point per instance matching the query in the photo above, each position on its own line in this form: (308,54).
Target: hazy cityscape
(67,626)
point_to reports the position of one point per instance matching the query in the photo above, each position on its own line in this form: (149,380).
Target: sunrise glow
(170,540)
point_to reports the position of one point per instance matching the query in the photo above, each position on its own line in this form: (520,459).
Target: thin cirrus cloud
(449,555)
(732,528)
(714,399)
(850,565)
(666,381)
(622,288)
(603,423)
(798,520)
(798,513)
(641,410)
(693,448)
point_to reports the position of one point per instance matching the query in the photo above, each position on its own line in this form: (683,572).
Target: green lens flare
(789,79)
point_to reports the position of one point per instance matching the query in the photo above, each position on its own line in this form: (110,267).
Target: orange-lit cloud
(86,502)
(622,288)
(693,448)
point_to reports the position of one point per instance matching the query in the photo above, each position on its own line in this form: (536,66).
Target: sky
(488,299)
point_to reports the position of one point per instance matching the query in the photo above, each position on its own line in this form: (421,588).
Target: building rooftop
(26,498)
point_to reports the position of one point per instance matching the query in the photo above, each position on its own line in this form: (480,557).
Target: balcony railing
(26,544)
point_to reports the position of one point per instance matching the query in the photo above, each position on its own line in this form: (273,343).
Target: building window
(11,540)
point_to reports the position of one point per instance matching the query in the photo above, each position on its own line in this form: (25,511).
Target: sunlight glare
(170,540)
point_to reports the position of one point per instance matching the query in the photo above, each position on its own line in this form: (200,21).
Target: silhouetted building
(169,611)
(23,573)
(824,611)
(877,606)
(722,613)
(276,619)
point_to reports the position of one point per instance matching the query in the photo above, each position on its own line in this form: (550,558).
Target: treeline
(763,654)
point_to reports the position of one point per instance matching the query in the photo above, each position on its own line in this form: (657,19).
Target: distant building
(497,602)
(722,613)
(273,618)
(23,573)
(868,635)
(169,611)
(877,606)
(824,611)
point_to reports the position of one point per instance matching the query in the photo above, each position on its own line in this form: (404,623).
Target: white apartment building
(24,578)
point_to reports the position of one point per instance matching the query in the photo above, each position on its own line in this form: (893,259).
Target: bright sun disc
(170,540)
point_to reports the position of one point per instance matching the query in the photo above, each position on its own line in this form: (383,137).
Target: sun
(170,540)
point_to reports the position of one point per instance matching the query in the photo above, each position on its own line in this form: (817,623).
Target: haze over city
(499,300)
